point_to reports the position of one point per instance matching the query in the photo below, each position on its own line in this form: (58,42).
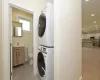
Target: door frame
(10,32)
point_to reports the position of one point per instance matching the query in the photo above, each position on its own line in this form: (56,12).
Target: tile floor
(91,63)
(23,72)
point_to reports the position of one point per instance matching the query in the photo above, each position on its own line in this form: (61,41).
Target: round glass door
(41,25)
(41,64)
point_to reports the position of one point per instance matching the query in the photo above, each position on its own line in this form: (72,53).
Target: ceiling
(91,16)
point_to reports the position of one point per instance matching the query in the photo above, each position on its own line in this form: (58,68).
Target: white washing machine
(45,63)
(46,26)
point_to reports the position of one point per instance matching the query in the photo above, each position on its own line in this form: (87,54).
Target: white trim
(6,38)
(6,35)
(26,18)
(26,10)
(15,6)
(35,34)
(10,31)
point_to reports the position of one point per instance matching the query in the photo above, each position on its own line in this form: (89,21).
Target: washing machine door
(41,64)
(42,25)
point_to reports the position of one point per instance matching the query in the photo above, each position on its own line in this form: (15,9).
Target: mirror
(17,29)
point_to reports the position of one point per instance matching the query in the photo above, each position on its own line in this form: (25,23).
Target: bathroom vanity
(18,54)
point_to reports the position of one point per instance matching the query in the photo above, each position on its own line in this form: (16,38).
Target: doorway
(91,40)
(21,49)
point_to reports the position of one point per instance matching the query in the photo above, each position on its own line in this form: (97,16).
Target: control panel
(43,49)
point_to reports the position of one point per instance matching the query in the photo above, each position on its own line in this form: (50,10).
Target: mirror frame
(13,29)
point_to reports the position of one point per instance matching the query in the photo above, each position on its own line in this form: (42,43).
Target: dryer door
(41,64)
(42,25)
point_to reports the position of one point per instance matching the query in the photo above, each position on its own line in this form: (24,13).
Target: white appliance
(46,43)
(45,63)
(46,26)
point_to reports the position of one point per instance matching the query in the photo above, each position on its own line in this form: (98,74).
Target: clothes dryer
(45,63)
(46,26)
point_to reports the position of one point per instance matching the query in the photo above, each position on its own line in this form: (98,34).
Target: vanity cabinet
(18,55)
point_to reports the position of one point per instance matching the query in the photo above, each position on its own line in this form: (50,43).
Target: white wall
(5,40)
(87,36)
(1,55)
(35,6)
(68,52)
(67,47)
(32,5)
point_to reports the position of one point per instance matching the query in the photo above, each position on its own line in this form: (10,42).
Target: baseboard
(80,78)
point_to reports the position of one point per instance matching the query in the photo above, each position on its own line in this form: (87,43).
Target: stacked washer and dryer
(45,59)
